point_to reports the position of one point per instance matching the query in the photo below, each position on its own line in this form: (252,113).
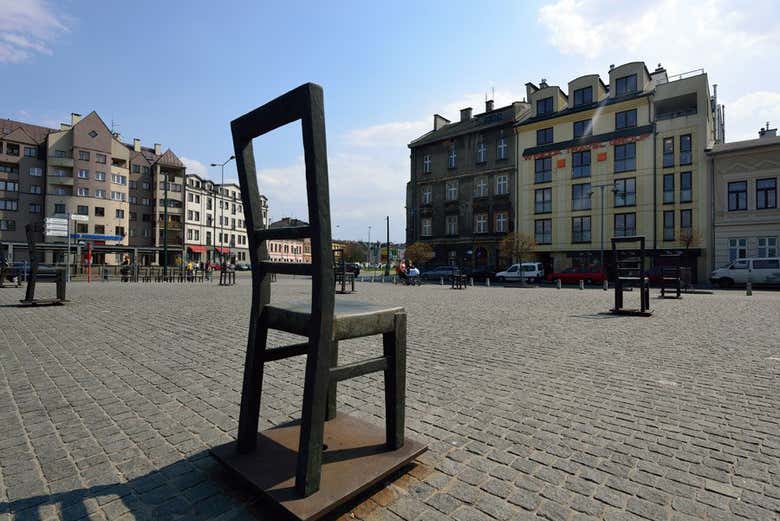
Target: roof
(603,103)
(36,132)
(748,144)
(493,118)
(286,222)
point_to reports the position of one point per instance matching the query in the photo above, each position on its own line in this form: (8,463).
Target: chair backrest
(304,103)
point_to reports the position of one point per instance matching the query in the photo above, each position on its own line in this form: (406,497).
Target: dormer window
(583,96)
(625,85)
(544,106)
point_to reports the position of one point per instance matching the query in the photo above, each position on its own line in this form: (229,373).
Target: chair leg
(253,384)
(315,397)
(394,345)
(330,411)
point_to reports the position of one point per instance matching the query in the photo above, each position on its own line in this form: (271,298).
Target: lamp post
(369,245)
(165,225)
(222,207)
(614,190)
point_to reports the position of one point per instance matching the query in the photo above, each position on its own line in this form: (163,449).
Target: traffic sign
(55,220)
(80,218)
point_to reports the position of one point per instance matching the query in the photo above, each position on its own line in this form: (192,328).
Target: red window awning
(197,249)
(221,249)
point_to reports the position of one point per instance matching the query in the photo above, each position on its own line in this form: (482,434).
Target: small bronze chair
(323,321)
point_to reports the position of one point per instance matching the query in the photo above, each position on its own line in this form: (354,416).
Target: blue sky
(177,73)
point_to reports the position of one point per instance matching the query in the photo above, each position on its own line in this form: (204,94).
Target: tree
(420,252)
(517,245)
(689,237)
(355,252)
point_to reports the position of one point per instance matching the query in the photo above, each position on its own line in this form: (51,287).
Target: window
(61,190)
(580,197)
(9,169)
(544,136)
(147,218)
(197,237)
(625,157)
(60,153)
(83,155)
(189,215)
(625,192)
(481,187)
(133,185)
(100,229)
(502,222)
(83,174)
(686,220)
(452,224)
(59,208)
(197,218)
(543,200)
(101,194)
(427,163)
(737,249)
(502,184)
(766,264)
(668,188)
(9,186)
(426,227)
(452,190)
(452,158)
(82,228)
(119,230)
(145,170)
(100,158)
(146,185)
(580,164)
(119,214)
(738,196)
(625,119)
(481,223)
(686,157)
(7,225)
(544,106)
(197,198)
(625,224)
(583,128)
(30,152)
(82,191)
(133,216)
(427,194)
(11,149)
(580,229)
(669,225)
(625,85)
(766,193)
(136,169)
(35,208)
(36,189)
(9,204)
(543,170)
(82,209)
(118,179)
(189,234)
(583,96)
(35,172)
(501,148)
(767,246)
(190,196)
(481,152)
(686,188)
(543,231)
(100,211)
(100,176)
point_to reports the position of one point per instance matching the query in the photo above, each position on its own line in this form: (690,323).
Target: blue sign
(95,237)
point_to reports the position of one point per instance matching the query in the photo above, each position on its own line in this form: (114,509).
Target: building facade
(289,250)
(627,157)
(746,218)
(460,197)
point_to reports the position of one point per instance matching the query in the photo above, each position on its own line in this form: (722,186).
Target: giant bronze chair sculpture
(329,457)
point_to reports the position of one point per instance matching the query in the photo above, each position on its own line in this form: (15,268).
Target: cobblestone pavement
(534,404)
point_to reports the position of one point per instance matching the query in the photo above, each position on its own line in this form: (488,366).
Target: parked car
(757,270)
(243,267)
(437,272)
(530,271)
(353,267)
(590,275)
(481,273)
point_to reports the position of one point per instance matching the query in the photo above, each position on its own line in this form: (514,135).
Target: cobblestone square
(534,403)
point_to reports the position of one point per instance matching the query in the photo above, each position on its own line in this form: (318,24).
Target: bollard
(487,282)
(558,283)
(606,285)
(383,279)
(749,288)
(395,280)
(441,281)
(582,284)
(471,281)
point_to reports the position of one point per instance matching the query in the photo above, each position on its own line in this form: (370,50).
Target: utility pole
(387,263)
(602,187)
(369,245)
(165,225)
(222,208)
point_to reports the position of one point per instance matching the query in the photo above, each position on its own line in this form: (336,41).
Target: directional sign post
(78,218)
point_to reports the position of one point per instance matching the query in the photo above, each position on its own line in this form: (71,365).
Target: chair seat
(351,319)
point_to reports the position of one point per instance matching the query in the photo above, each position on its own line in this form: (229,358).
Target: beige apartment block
(641,139)
(746,218)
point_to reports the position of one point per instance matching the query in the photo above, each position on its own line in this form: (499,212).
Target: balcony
(63,160)
(59,180)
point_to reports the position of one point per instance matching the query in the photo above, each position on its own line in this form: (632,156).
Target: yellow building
(627,157)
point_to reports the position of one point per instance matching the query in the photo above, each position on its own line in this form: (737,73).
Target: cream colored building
(746,217)
(641,136)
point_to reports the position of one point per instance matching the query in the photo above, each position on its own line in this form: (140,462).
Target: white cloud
(747,114)
(195,167)
(28,28)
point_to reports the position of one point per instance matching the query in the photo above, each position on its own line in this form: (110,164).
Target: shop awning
(197,249)
(221,249)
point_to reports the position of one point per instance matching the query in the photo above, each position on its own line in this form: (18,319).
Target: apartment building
(214,221)
(746,218)
(289,250)
(460,197)
(626,157)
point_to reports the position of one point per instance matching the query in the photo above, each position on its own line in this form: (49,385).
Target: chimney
(465,114)
(611,66)
(136,144)
(488,105)
(157,149)
(530,88)
(543,83)
(64,126)
(439,121)
(767,132)
(659,75)
(74,118)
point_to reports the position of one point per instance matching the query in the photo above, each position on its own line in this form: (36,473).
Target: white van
(530,271)
(758,271)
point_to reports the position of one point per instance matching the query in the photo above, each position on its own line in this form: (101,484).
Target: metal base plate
(355,458)
(42,302)
(632,312)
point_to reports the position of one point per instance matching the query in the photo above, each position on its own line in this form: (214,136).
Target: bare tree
(689,237)
(420,252)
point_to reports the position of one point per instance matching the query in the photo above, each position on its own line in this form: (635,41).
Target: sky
(177,73)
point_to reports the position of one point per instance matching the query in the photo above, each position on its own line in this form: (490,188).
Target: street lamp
(614,190)
(222,207)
